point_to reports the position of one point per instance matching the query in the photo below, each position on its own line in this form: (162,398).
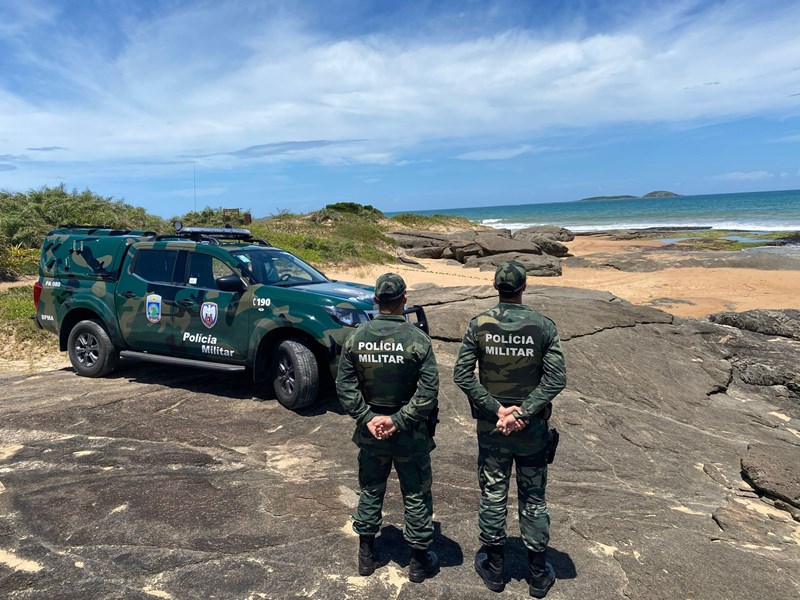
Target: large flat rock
(785,323)
(178,483)
(656,260)
(498,244)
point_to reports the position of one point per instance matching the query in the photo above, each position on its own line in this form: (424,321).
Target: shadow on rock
(391,547)
(517,561)
(236,385)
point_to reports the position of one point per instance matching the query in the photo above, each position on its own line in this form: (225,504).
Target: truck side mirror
(230,283)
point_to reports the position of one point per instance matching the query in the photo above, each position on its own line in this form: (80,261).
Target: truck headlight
(350,317)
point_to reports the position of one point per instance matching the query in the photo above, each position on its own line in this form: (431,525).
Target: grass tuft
(16,314)
(431,222)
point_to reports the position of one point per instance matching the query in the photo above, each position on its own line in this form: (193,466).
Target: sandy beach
(686,292)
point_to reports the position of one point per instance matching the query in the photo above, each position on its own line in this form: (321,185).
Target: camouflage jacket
(388,367)
(520,362)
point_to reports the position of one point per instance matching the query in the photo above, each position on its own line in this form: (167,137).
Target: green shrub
(26,217)
(7,272)
(341,211)
(351,238)
(16,310)
(212,217)
(417,221)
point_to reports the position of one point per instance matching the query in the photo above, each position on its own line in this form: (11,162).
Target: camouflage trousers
(494,474)
(414,473)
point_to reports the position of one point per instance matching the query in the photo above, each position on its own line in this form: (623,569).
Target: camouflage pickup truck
(201,297)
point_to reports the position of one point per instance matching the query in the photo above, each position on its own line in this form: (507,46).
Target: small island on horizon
(655,194)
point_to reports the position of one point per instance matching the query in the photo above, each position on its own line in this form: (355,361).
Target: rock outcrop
(676,476)
(497,244)
(785,323)
(657,259)
(535,265)
(557,233)
(472,247)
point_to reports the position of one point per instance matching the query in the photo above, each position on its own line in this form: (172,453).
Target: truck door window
(156,265)
(203,269)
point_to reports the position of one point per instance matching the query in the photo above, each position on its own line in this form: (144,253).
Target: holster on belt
(433,419)
(552,444)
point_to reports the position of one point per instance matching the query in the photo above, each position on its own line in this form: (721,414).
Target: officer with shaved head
(388,382)
(521,370)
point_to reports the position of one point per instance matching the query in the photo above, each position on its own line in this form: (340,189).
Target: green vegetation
(26,217)
(431,222)
(16,310)
(210,217)
(341,233)
(16,261)
(344,237)
(341,211)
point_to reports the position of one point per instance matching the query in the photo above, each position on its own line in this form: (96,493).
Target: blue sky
(403,105)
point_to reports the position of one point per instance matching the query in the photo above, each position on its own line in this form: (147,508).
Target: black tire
(91,351)
(295,375)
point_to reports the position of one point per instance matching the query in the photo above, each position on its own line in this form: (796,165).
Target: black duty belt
(383,410)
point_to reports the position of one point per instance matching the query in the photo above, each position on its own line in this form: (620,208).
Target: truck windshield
(278,267)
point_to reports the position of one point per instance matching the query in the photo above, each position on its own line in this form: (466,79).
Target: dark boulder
(463,250)
(535,264)
(785,323)
(496,244)
(409,238)
(561,234)
(426,252)
(548,245)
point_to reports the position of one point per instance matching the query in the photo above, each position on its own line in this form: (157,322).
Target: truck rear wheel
(90,350)
(295,375)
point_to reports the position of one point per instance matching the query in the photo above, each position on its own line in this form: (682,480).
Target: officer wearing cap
(521,370)
(388,382)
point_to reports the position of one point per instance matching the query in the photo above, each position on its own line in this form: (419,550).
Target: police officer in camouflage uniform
(388,382)
(521,369)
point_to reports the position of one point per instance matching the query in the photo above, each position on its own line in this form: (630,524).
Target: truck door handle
(185,303)
(129,294)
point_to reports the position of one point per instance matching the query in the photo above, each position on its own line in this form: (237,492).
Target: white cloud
(496,153)
(278,80)
(745,176)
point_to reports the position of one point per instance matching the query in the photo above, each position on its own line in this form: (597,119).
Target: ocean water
(749,211)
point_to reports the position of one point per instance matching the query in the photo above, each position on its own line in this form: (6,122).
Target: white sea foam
(726,225)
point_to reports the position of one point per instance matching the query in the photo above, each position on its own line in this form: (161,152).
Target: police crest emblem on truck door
(153,308)
(208,314)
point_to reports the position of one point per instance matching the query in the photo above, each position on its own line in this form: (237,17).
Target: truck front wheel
(295,375)
(90,350)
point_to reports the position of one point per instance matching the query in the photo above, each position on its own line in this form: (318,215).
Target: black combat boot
(489,565)
(541,577)
(366,554)
(424,563)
